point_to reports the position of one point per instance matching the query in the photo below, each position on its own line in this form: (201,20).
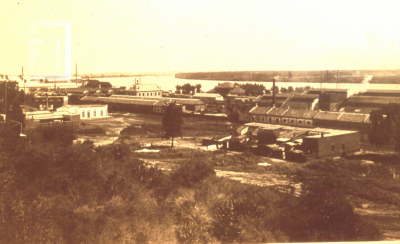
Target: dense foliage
(188,89)
(53,191)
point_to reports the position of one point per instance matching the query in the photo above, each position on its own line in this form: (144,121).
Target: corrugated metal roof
(259,110)
(121,100)
(353,109)
(296,105)
(186,101)
(296,113)
(352,117)
(268,97)
(276,111)
(326,115)
(372,99)
(313,90)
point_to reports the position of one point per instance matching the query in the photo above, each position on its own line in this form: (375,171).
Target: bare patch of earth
(280,182)
(112,127)
(385,216)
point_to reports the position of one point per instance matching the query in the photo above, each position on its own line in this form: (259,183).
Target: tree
(198,88)
(172,121)
(178,89)
(187,88)
(252,89)
(283,90)
(276,89)
(290,89)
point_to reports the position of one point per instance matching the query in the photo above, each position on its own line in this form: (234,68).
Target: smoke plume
(362,87)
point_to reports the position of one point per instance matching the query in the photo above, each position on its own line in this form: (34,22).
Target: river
(169,82)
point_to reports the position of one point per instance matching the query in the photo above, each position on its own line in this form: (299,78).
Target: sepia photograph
(199,121)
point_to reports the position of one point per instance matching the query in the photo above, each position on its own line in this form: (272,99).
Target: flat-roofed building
(50,100)
(36,118)
(87,111)
(330,144)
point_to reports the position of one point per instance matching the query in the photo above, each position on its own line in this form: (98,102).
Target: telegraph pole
(5,100)
(24,80)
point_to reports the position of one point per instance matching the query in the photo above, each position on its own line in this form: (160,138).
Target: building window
(101,112)
(277,120)
(308,123)
(140,94)
(333,147)
(270,119)
(292,121)
(83,114)
(88,114)
(94,113)
(147,94)
(343,146)
(299,122)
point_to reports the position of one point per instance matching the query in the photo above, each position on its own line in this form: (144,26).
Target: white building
(143,90)
(87,111)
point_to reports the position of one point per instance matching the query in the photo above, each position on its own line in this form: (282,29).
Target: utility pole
(24,80)
(5,100)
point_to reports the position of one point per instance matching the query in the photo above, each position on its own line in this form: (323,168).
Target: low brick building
(330,144)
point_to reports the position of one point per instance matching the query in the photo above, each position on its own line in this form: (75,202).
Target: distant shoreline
(374,77)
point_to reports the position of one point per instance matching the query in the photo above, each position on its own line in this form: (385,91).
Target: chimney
(273,91)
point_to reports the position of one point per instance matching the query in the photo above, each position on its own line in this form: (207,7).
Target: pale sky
(187,35)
